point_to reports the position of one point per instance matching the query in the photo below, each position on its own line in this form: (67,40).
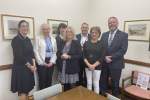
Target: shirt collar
(84,36)
(23,38)
(46,38)
(114,32)
(60,36)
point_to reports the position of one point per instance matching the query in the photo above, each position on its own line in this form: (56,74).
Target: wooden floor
(125,97)
(31,98)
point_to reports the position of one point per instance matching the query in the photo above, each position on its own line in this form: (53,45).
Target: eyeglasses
(25,26)
(112,22)
(94,33)
(45,29)
(69,32)
(85,27)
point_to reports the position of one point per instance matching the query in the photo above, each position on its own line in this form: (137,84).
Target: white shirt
(83,39)
(113,34)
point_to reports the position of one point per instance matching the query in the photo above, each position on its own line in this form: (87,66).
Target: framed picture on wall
(138,30)
(54,25)
(10,26)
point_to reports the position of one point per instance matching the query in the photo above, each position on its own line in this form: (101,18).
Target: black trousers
(45,75)
(69,86)
(115,77)
(82,71)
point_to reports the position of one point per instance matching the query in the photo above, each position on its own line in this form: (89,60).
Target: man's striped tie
(110,40)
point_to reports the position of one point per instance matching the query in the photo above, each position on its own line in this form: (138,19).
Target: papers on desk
(142,81)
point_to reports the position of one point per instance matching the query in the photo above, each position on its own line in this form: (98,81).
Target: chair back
(136,73)
(111,97)
(48,92)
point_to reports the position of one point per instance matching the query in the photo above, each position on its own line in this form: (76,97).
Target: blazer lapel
(79,37)
(106,39)
(89,36)
(71,47)
(52,41)
(44,44)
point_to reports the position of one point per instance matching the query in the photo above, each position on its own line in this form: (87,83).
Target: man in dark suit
(116,44)
(84,36)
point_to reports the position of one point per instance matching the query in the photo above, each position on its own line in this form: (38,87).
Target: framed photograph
(10,26)
(54,25)
(137,29)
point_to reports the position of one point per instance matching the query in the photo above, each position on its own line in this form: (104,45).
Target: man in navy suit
(116,44)
(84,36)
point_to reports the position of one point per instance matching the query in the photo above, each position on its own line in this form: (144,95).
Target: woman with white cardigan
(45,49)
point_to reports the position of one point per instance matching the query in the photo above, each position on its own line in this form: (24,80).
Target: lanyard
(48,45)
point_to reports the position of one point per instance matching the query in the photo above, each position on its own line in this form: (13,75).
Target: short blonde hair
(42,26)
(73,31)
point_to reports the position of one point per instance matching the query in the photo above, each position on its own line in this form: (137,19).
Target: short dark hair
(19,24)
(113,17)
(61,25)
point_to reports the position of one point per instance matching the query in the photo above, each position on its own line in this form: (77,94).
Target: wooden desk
(78,93)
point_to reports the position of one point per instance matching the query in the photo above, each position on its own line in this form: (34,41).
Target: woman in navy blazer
(68,54)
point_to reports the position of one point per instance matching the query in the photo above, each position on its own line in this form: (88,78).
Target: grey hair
(44,24)
(86,24)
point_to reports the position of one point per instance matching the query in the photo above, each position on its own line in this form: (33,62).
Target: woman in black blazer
(93,55)
(68,54)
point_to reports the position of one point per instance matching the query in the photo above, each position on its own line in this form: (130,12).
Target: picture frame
(10,26)
(138,30)
(53,23)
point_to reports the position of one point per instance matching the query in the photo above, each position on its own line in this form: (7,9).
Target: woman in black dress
(23,68)
(93,55)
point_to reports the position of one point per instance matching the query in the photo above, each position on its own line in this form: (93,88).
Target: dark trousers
(82,71)
(45,75)
(115,77)
(69,86)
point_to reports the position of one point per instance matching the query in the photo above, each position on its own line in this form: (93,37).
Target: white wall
(124,10)
(74,11)
(94,12)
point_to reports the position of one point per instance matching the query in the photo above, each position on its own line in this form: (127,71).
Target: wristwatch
(29,66)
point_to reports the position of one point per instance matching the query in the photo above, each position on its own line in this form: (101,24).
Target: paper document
(142,81)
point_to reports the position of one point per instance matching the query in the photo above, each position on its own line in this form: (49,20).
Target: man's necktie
(110,40)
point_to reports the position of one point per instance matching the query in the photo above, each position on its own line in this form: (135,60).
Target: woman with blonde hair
(45,49)
(68,55)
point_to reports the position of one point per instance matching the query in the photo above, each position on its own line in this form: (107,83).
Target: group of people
(74,55)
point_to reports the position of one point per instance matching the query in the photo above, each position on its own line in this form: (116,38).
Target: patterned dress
(67,78)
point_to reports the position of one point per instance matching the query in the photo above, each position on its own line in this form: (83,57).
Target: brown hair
(97,28)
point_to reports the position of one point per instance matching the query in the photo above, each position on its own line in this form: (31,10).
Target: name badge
(48,50)
(90,55)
